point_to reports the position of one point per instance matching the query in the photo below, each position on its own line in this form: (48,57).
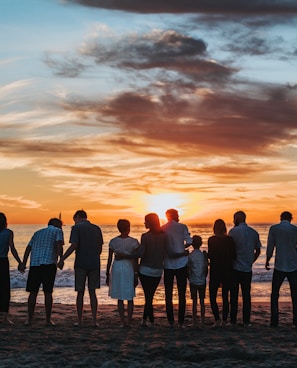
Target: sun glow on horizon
(160,203)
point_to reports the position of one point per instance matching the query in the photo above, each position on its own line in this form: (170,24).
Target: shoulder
(252,230)
(133,240)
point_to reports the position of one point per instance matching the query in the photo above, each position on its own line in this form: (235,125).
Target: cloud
(190,6)
(9,201)
(67,66)
(200,122)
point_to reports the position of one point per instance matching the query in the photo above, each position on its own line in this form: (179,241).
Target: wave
(65,278)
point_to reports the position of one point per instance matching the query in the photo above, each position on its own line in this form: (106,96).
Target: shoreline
(66,295)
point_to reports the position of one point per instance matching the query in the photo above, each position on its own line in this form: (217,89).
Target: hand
(267,266)
(60,264)
(21,267)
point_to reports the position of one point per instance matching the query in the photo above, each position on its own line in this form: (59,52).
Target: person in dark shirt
(86,240)
(221,253)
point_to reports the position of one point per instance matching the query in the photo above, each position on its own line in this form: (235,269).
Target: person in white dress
(121,281)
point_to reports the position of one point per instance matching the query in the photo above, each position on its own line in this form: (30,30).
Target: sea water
(64,285)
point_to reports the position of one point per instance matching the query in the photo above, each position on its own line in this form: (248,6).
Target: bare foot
(50,323)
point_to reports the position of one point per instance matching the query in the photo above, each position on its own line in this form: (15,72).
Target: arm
(59,247)
(109,261)
(187,237)
(269,249)
(14,252)
(68,252)
(177,255)
(26,256)
(205,266)
(256,254)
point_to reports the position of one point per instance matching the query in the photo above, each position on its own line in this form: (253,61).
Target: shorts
(81,275)
(197,289)
(43,274)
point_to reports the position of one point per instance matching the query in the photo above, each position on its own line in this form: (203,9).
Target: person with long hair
(221,253)
(152,251)
(6,243)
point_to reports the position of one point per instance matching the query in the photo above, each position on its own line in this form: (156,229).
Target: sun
(161,202)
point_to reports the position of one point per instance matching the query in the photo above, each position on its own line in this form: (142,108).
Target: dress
(122,272)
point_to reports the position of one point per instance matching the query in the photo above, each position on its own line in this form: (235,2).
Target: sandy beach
(65,345)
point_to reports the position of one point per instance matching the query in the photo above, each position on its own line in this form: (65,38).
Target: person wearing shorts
(44,248)
(86,240)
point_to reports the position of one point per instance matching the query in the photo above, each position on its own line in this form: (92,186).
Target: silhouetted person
(221,253)
(86,240)
(44,248)
(248,249)
(176,266)
(283,238)
(151,252)
(121,283)
(6,244)
(197,272)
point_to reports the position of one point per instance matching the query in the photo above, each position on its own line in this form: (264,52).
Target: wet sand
(109,345)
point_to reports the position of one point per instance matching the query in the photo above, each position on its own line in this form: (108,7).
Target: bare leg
(48,303)
(130,311)
(94,305)
(31,307)
(121,310)
(6,319)
(79,306)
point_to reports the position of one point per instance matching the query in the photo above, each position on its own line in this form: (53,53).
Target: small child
(197,269)
(122,281)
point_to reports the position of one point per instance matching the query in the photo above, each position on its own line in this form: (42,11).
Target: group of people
(167,250)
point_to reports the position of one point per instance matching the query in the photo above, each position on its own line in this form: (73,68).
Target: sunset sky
(123,107)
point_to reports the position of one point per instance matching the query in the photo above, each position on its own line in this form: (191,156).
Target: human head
(196,241)
(55,222)
(172,214)
(123,226)
(3,221)
(80,215)
(239,217)
(219,227)
(152,222)
(286,215)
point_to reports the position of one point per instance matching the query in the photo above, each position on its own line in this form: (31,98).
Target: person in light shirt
(44,248)
(198,269)
(175,264)
(247,249)
(283,238)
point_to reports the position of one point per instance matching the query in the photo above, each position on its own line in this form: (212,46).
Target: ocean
(64,286)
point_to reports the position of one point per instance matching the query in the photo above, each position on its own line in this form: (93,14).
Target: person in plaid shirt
(45,246)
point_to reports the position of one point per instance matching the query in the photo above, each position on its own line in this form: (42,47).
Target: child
(122,283)
(197,268)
